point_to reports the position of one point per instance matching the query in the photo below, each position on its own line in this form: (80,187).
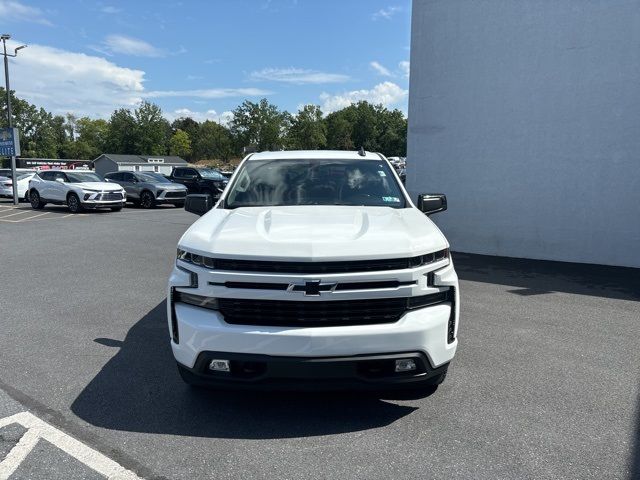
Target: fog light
(405,365)
(220,365)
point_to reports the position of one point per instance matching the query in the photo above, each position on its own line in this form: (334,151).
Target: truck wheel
(147,200)
(36,201)
(73,202)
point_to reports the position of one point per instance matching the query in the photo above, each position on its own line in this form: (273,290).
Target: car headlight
(195,259)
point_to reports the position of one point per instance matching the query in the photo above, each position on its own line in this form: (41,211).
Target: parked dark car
(200,180)
(148,189)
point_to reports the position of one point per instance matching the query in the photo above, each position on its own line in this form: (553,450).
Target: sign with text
(9,142)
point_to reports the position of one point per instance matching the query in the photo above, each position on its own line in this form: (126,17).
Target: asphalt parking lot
(545,383)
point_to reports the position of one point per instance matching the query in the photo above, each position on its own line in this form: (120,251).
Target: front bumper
(172,196)
(92,204)
(429,331)
(312,373)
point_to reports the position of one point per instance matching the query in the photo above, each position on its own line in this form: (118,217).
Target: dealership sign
(9,142)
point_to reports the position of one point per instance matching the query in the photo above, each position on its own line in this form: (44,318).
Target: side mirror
(429,203)
(198,204)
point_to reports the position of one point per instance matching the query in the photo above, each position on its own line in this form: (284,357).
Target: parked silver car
(149,189)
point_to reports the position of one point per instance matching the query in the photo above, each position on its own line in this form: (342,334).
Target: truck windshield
(315,182)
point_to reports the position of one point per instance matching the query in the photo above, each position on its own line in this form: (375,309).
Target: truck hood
(313,233)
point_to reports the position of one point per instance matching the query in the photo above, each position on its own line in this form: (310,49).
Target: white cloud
(381,69)
(386,93)
(404,68)
(12,10)
(110,9)
(386,13)
(222,118)
(63,81)
(208,93)
(297,76)
(131,46)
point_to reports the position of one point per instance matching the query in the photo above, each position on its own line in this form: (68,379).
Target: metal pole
(14,180)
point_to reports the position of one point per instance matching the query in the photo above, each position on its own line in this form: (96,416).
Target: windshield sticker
(391,199)
(381,173)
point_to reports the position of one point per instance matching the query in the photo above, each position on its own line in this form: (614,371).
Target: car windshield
(77,177)
(153,178)
(211,174)
(315,182)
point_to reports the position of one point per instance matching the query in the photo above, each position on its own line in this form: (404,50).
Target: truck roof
(314,154)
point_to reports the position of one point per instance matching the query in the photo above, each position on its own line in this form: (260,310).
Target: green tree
(338,132)
(152,130)
(180,144)
(261,125)
(373,127)
(186,124)
(91,138)
(308,130)
(121,134)
(213,141)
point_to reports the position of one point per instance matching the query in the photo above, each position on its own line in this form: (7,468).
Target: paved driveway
(545,385)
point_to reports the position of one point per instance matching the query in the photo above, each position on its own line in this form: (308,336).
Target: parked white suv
(78,190)
(314,270)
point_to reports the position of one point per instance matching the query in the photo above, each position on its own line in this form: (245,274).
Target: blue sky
(203,58)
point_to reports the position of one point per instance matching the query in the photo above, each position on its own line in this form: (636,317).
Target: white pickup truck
(314,270)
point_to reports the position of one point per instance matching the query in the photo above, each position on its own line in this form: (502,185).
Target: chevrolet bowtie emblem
(312,288)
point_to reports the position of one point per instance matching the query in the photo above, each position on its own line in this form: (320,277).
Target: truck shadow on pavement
(538,277)
(140,390)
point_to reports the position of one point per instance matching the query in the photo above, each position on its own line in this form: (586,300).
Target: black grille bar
(374,265)
(340,286)
(284,313)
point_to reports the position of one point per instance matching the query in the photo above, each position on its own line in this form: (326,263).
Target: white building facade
(527,115)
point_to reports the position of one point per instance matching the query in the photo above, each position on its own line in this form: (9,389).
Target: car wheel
(36,201)
(147,200)
(26,196)
(73,202)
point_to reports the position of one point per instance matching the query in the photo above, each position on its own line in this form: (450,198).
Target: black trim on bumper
(95,206)
(315,373)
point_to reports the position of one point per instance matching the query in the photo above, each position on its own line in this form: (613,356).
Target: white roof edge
(314,154)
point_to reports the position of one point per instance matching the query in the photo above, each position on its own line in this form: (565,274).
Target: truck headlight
(195,259)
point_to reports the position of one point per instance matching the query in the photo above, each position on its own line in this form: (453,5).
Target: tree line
(255,125)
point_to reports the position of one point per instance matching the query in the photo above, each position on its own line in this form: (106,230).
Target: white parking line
(38,429)
(17,213)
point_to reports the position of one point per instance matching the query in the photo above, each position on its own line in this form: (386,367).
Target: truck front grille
(283,313)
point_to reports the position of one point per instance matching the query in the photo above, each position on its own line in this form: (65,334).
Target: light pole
(14,179)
